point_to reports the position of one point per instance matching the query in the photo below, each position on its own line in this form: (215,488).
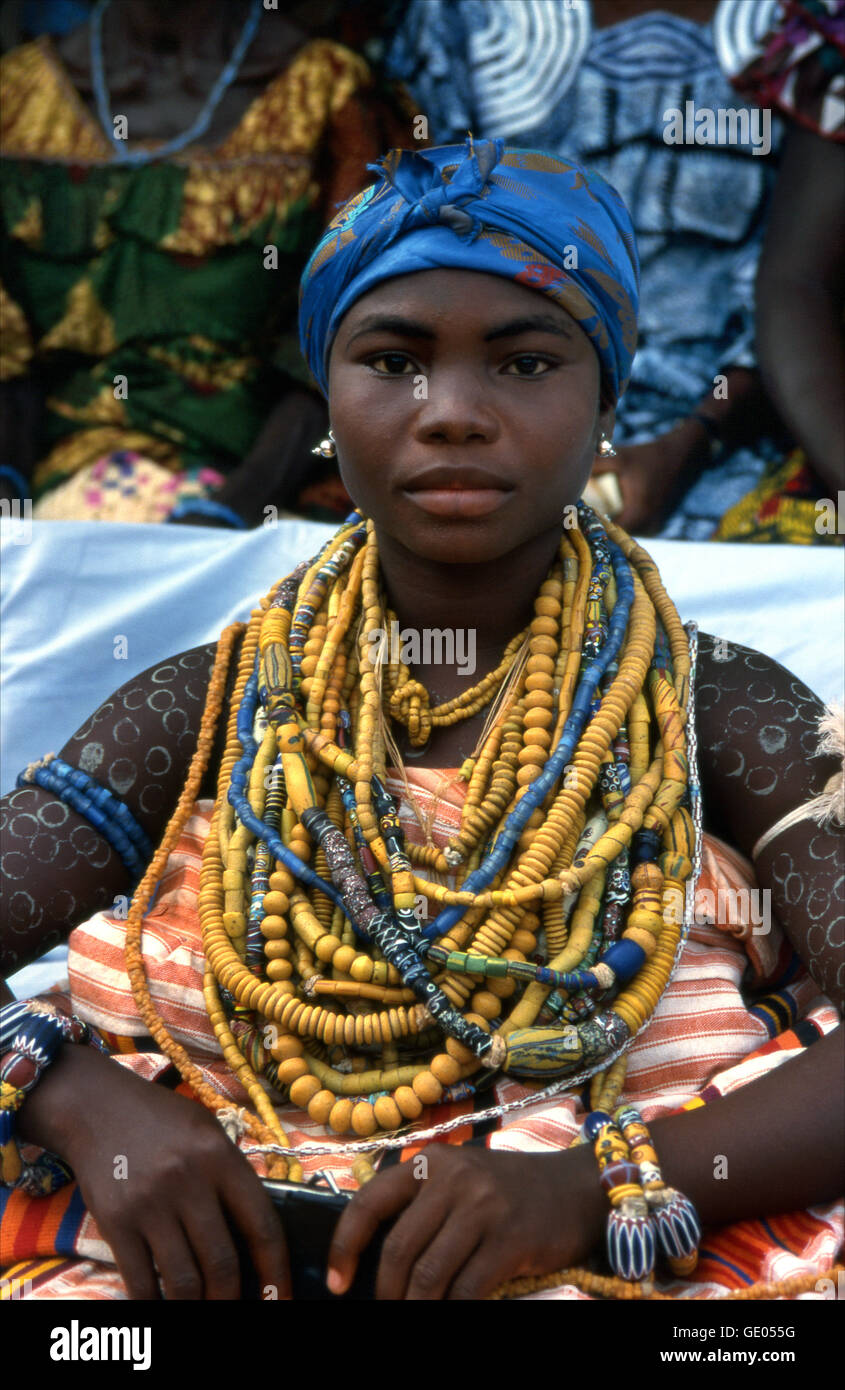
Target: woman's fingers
(489,1266)
(215,1253)
(257,1219)
(135,1264)
(433,1241)
(178,1269)
(382,1198)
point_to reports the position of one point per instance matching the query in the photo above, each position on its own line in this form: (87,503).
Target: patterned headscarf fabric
(541,220)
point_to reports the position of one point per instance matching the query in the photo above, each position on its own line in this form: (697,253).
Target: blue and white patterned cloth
(537,72)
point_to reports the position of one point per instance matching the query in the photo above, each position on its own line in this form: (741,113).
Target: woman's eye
(391,363)
(529,364)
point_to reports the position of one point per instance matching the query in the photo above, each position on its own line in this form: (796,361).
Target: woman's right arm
(181,1182)
(56,868)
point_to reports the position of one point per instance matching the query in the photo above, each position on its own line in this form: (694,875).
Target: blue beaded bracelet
(206,506)
(107,802)
(99,806)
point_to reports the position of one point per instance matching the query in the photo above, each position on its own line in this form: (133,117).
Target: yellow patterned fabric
(144,296)
(785,508)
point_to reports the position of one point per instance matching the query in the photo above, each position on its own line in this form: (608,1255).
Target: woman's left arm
(758,732)
(775,1145)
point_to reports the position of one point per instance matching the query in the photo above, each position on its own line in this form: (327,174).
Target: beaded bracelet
(645,1212)
(630,1236)
(30,1038)
(105,811)
(675,1218)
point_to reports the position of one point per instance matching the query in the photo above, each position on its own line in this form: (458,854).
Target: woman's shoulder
(141,740)
(758,732)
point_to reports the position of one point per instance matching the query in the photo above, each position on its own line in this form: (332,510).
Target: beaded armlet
(105,811)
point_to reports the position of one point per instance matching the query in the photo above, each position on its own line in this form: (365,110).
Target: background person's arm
(801,298)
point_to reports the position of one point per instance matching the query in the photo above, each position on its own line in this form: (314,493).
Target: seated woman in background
(149,358)
(390,907)
(799,71)
(601,79)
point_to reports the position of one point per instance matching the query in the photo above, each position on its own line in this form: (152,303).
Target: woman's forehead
(452,294)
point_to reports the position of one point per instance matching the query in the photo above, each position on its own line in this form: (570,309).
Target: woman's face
(466,412)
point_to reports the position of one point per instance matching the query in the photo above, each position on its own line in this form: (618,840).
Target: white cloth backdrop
(70,590)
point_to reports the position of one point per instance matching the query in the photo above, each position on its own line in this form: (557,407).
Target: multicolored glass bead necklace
(553,948)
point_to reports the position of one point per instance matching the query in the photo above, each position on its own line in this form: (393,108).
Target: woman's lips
(459,501)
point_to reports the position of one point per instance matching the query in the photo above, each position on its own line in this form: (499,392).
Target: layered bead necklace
(575,842)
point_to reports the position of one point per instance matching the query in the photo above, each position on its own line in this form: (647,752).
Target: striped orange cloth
(704,1041)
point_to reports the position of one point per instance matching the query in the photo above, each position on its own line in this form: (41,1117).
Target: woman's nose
(452,408)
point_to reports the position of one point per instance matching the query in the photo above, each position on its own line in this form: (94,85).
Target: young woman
(521,921)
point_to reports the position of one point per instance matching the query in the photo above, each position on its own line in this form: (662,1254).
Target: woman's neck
(493,600)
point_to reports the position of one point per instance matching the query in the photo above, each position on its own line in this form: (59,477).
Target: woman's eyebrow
(411,328)
(534,323)
(392,323)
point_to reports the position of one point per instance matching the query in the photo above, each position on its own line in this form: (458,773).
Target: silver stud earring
(327,448)
(606,449)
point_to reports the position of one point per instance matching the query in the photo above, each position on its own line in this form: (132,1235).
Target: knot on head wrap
(541,220)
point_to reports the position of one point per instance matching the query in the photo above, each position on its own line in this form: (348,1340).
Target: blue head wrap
(541,220)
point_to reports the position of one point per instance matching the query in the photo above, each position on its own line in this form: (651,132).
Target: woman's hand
(476,1219)
(160,1177)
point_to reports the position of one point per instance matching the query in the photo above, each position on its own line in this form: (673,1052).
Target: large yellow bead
(286,1047)
(387,1113)
(341,1115)
(273,928)
(303,1090)
(457,1050)
(645,921)
(277,950)
(343,958)
(363,1119)
(445,1069)
(641,938)
(320,1106)
(292,1069)
(408,1102)
(486,1004)
(524,941)
(427,1088)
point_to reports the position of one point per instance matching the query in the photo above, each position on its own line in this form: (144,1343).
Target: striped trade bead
(542,1052)
(679,1232)
(630,1241)
(619,1173)
(18,1070)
